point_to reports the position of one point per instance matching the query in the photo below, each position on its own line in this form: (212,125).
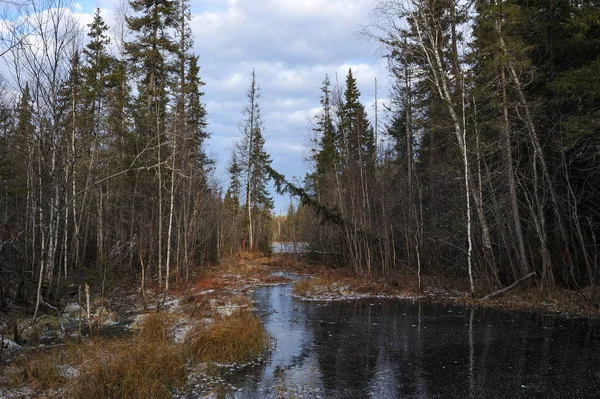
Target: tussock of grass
(157,327)
(148,366)
(136,369)
(39,372)
(238,338)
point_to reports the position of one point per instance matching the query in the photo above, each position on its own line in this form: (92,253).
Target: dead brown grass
(137,369)
(237,272)
(148,365)
(39,372)
(238,338)
(157,327)
(292,263)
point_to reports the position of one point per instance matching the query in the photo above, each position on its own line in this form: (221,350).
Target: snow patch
(8,344)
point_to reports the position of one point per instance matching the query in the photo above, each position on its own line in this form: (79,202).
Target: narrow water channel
(410,349)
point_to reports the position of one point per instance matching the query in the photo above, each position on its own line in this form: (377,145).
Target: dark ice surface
(385,348)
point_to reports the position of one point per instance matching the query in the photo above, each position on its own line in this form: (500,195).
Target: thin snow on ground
(331,297)
(67,372)
(180,332)
(8,344)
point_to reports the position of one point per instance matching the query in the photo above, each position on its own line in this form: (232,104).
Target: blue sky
(291,44)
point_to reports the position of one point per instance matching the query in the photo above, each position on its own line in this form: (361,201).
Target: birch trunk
(171,206)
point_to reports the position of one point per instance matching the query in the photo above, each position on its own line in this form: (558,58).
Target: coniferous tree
(356,129)
(327,157)
(97,74)
(255,161)
(151,56)
(232,207)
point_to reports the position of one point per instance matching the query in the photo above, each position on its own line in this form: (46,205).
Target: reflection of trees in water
(397,349)
(292,360)
(539,356)
(422,351)
(375,351)
(347,353)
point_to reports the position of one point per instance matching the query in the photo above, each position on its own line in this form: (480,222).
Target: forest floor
(56,360)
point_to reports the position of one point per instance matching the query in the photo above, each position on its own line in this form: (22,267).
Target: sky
(291,44)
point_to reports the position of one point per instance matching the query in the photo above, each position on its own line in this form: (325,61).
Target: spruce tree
(151,55)
(255,163)
(357,131)
(196,113)
(327,156)
(98,62)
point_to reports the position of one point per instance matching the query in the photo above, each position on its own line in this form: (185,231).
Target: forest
(483,166)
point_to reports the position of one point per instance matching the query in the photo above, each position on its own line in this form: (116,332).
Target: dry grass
(238,338)
(148,365)
(136,369)
(39,372)
(237,272)
(157,327)
(292,263)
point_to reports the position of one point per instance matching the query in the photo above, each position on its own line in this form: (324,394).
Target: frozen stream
(403,349)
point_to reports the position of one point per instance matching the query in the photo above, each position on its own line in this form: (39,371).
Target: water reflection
(403,349)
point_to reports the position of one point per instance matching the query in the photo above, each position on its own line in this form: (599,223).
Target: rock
(137,321)
(172,304)
(72,308)
(8,344)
